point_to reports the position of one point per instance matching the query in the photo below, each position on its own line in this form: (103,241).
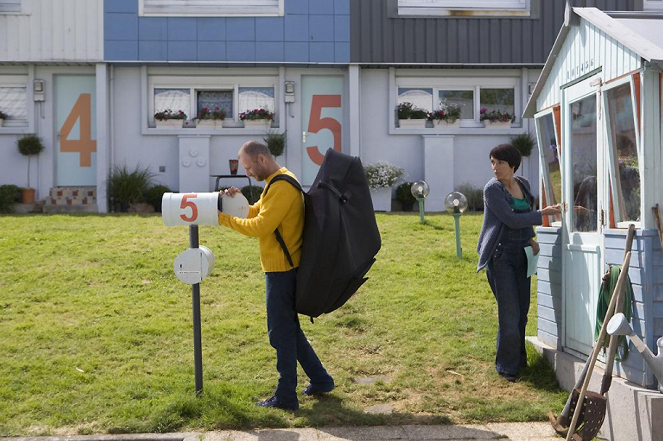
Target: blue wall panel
(311,31)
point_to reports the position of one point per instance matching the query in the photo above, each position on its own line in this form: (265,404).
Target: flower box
(412,123)
(257,123)
(471,124)
(498,124)
(170,124)
(209,123)
(381,198)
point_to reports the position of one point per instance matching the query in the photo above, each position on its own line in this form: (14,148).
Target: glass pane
(463,98)
(584,164)
(173,99)
(251,98)
(223,99)
(624,154)
(14,102)
(497,100)
(550,155)
(420,98)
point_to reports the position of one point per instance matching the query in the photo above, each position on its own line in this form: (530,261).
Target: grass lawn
(96,333)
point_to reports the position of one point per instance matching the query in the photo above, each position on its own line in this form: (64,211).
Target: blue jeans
(287,337)
(507,276)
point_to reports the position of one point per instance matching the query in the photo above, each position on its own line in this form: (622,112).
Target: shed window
(584,164)
(550,159)
(206,8)
(623,157)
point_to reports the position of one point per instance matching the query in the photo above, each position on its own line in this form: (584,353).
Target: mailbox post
(194,264)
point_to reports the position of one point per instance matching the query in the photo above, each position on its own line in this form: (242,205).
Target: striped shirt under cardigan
(498,212)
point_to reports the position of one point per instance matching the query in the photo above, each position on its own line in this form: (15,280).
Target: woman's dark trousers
(507,275)
(287,337)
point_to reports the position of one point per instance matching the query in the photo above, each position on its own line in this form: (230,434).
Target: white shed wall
(585,50)
(53,30)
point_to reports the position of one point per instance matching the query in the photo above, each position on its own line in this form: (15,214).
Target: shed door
(582,256)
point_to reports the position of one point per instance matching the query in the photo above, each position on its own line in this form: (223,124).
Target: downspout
(111,137)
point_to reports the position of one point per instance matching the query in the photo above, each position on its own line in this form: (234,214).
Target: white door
(583,177)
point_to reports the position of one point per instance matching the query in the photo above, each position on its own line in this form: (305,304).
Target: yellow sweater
(283,207)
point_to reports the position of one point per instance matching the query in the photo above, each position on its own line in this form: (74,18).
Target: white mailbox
(194,264)
(200,208)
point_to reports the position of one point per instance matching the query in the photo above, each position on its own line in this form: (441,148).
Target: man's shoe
(274,402)
(312,390)
(508,377)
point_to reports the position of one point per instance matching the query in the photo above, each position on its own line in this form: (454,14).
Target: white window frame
(464,7)
(609,154)
(477,83)
(210,82)
(211,8)
(547,184)
(18,81)
(652,5)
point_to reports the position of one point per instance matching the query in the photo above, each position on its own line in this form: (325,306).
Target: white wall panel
(53,30)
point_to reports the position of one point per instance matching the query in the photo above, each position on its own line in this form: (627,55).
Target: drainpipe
(111,137)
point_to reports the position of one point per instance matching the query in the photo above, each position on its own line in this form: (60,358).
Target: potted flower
(210,117)
(410,116)
(259,118)
(276,142)
(3,117)
(448,115)
(29,145)
(405,197)
(497,118)
(170,119)
(381,176)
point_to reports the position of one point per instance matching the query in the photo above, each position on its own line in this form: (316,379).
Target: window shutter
(211,7)
(10,5)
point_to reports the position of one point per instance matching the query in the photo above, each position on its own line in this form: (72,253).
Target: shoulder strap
(279,238)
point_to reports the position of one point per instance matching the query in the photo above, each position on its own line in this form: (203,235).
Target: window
(476,7)
(498,102)
(190,93)
(463,98)
(653,5)
(419,98)
(14,100)
(207,8)
(10,6)
(549,152)
(584,164)
(623,154)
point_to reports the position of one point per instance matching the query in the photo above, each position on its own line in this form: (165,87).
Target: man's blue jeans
(287,337)
(507,276)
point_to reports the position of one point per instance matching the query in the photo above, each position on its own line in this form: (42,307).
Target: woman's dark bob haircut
(508,153)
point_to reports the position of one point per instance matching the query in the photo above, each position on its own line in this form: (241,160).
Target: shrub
(275,143)
(154,196)
(404,195)
(9,194)
(524,143)
(382,174)
(30,145)
(473,194)
(252,193)
(127,187)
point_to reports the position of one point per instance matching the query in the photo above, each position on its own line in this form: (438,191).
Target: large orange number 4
(315,124)
(187,203)
(81,111)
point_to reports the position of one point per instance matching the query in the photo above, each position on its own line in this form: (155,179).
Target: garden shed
(597,110)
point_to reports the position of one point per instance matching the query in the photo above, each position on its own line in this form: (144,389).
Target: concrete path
(512,431)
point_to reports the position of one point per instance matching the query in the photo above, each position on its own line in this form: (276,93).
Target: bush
(125,187)
(473,194)
(275,143)
(154,196)
(30,145)
(9,194)
(252,193)
(404,195)
(524,143)
(382,174)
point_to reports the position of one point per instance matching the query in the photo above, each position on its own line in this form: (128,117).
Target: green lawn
(96,333)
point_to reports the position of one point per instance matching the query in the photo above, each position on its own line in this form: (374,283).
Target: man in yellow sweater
(283,208)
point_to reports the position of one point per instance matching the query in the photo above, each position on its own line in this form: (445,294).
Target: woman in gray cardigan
(509,216)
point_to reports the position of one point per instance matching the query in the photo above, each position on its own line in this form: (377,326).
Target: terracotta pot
(28,195)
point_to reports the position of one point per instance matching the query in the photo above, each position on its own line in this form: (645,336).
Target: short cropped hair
(508,153)
(255,148)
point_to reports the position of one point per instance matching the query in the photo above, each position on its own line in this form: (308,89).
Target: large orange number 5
(315,124)
(187,203)
(82,111)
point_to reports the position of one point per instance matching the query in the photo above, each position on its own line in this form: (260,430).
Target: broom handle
(614,339)
(613,300)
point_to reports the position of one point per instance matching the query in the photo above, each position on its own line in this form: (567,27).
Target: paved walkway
(512,431)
